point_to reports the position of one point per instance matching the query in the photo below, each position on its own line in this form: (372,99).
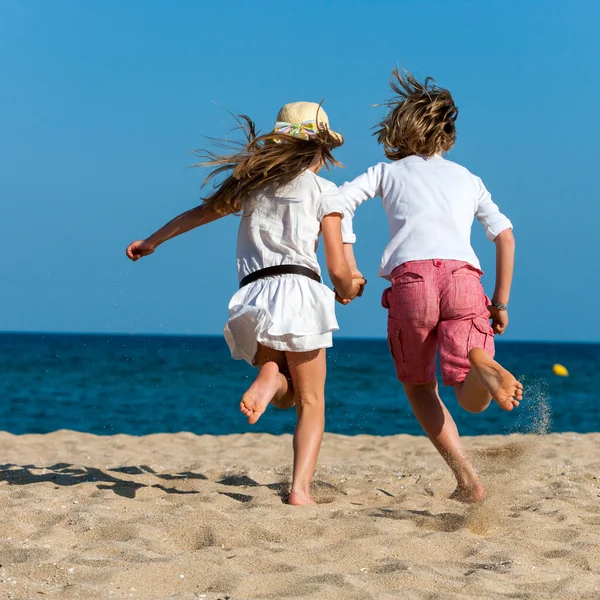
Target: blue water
(141,384)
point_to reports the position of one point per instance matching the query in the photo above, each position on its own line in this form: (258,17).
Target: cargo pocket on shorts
(395,340)
(481,335)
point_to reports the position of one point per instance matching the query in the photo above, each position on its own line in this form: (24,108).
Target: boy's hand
(358,287)
(499,319)
(138,249)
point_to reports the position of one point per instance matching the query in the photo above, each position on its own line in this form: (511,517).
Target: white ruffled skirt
(288,312)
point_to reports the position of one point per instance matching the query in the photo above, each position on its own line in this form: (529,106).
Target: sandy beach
(184,516)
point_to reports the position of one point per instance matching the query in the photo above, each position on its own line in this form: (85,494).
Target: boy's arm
(365,186)
(350,259)
(505,263)
(489,215)
(201,215)
(498,229)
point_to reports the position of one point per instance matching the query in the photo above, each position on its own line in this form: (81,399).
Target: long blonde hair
(274,158)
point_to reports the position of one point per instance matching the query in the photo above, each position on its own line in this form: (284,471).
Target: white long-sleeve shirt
(430,205)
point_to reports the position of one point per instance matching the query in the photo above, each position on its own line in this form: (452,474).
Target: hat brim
(338,137)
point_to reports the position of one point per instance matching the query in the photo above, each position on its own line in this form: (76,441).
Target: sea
(138,385)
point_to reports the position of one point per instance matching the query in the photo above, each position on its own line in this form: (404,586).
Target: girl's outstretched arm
(201,215)
(337,266)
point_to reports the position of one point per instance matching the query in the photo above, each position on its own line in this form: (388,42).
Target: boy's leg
(440,428)
(308,371)
(466,343)
(271,385)
(413,323)
(486,380)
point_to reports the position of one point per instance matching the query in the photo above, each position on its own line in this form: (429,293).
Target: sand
(184,516)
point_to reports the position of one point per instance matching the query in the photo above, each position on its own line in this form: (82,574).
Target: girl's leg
(439,426)
(487,379)
(308,371)
(272,384)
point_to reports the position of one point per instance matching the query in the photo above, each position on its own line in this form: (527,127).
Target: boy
(436,301)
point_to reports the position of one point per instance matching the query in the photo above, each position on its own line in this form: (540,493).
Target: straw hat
(302,119)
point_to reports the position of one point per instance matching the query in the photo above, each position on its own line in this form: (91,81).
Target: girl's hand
(499,319)
(139,248)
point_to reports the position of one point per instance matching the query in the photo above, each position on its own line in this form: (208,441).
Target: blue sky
(102,102)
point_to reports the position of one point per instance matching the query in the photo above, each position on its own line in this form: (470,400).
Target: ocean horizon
(140,384)
(336,336)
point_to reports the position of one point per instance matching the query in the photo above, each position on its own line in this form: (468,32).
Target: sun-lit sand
(182,516)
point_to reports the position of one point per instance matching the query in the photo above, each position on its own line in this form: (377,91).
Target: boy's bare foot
(298,498)
(500,383)
(260,393)
(469,494)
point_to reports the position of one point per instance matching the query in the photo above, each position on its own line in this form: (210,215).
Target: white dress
(286,312)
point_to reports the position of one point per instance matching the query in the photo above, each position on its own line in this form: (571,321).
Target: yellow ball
(560,371)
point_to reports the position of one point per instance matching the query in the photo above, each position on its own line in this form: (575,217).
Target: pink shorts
(436,305)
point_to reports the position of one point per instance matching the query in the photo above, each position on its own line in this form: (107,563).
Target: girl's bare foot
(298,498)
(260,393)
(285,402)
(500,383)
(469,494)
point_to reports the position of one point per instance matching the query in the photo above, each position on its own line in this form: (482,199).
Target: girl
(436,301)
(282,318)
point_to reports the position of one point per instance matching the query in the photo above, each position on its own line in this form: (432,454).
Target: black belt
(280,270)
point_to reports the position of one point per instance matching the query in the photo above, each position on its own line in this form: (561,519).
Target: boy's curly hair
(421,119)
